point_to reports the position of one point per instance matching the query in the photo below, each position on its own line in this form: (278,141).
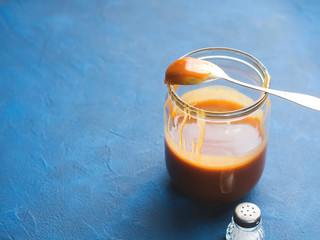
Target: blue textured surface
(81,116)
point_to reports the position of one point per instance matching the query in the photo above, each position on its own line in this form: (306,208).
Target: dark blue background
(81,116)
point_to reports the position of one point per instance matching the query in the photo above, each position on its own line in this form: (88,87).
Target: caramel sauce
(217,105)
(214,185)
(209,165)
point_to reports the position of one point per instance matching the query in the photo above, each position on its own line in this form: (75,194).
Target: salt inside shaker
(246,223)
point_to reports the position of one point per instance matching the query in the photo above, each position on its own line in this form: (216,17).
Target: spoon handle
(299,98)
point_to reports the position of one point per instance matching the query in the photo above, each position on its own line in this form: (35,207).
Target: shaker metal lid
(247,215)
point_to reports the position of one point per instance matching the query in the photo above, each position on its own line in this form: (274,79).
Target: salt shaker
(246,223)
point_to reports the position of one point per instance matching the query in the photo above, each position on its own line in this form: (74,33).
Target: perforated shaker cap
(247,215)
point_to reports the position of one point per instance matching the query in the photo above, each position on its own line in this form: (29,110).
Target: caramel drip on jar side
(182,126)
(167,125)
(202,125)
(193,145)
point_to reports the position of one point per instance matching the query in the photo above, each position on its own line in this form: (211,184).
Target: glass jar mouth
(196,112)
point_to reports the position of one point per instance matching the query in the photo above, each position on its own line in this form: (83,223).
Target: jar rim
(196,112)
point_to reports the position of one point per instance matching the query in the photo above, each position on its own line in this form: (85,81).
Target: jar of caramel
(216,133)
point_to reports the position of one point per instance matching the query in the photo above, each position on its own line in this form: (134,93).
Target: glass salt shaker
(246,223)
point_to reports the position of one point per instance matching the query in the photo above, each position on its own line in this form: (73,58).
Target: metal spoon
(191,71)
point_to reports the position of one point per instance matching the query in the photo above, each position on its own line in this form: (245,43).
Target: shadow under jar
(216,133)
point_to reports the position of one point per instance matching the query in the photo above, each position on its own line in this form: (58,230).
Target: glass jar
(216,133)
